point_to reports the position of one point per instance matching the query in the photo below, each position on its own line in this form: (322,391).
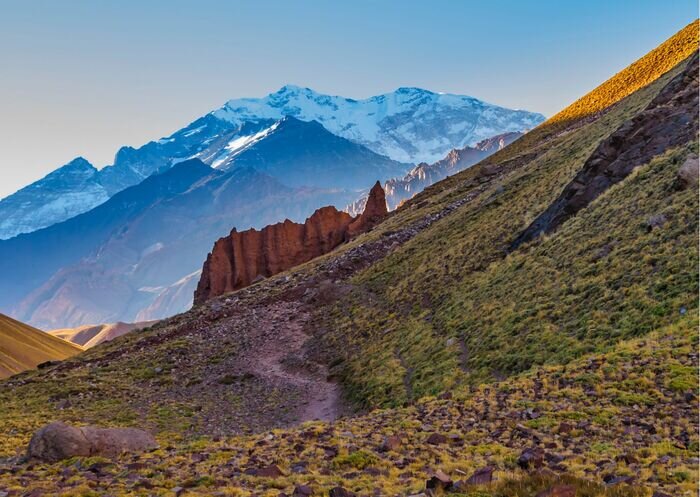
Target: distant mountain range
(408,125)
(136,257)
(423,175)
(126,243)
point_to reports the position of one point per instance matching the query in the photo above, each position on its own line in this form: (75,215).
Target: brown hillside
(23,347)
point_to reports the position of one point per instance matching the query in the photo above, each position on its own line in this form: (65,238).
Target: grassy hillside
(635,76)
(451,307)
(23,347)
(601,99)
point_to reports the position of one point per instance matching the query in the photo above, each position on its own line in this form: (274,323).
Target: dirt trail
(282,359)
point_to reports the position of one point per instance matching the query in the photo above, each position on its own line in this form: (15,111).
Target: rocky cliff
(241,258)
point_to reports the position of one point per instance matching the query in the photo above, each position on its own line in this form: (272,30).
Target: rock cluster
(243,258)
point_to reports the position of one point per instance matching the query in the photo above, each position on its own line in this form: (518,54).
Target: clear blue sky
(84,77)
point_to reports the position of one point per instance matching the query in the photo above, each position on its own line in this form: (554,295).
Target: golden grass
(635,76)
(23,347)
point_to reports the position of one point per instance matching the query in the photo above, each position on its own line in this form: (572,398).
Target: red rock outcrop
(375,211)
(241,258)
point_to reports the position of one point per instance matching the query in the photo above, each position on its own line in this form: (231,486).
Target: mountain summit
(408,124)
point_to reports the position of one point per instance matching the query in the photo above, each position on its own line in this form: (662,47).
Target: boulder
(57,441)
(271,471)
(688,174)
(481,476)
(340,492)
(302,491)
(439,481)
(437,439)
(532,458)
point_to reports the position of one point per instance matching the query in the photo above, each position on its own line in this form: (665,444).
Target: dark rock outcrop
(670,120)
(688,174)
(242,258)
(57,441)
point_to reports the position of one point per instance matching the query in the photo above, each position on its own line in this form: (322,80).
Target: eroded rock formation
(241,258)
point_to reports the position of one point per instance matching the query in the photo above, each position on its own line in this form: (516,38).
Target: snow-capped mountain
(305,154)
(66,192)
(408,125)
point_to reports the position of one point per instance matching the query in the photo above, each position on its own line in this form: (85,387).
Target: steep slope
(23,347)
(408,125)
(66,192)
(571,360)
(94,334)
(467,312)
(670,120)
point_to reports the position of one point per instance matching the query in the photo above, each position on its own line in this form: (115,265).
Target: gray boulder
(57,441)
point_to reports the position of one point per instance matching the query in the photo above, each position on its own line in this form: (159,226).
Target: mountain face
(68,191)
(301,153)
(131,258)
(28,260)
(408,125)
(567,365)
(139,270)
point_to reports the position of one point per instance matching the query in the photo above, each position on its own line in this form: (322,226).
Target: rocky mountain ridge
(423,175)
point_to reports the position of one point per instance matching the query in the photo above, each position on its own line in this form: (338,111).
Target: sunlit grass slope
(23,347)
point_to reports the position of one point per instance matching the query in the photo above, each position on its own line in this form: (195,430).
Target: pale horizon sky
(84,77)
